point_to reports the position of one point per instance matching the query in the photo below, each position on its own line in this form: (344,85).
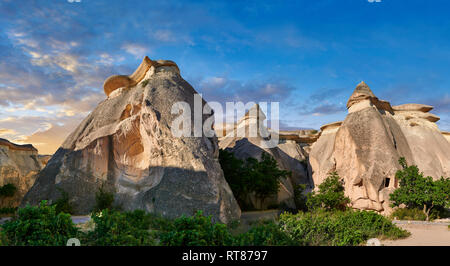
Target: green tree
(235,174)
(265,176)
(418,191)
(330,195)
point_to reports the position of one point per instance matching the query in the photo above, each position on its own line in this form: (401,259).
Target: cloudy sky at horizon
(308,55)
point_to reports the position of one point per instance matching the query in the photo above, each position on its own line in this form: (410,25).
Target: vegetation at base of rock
(103,200)
(39,226)
(330,195)
(8,210)
(198,230)
(261,178)
(299,198)
(417,191)
(409,214)
(114,228)
(338,228)
(62,204)
(43,226)
(265,234)
(7,190)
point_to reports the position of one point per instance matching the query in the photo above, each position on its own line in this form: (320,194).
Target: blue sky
(308,55)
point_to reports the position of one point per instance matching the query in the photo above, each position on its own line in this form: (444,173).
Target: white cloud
(135,49)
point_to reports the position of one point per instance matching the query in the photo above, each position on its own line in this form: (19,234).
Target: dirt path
(431,234)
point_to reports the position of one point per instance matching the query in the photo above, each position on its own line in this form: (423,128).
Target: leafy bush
(265,234)
(103,200)
(39,226)
(62,204)
(8,190)
(113,228)
(330,195)
(409,214)
(338,228)
(198,230)
(417,191)
(251,176)
(145,82)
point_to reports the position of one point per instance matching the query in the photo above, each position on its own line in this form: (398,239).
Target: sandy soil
(423,235)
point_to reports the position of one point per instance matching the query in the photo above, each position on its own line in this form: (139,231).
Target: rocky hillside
(19,165)
(364,148)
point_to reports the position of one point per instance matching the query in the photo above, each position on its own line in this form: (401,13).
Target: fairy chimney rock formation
(126,145)
(364,149)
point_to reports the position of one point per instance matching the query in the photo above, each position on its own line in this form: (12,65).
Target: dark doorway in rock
(387,181)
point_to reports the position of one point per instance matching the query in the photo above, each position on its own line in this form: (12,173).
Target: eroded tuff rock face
(126,144)
(289,155)
(364,149)
(19,165)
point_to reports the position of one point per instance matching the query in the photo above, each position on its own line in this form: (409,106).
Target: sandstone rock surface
(364,149)
(289,155)
(19,165)
(126,145)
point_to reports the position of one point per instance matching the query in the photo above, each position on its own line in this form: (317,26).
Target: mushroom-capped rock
(19,165)
(361,92)
(126,145)
(330,126)
(289,155)
(365,148)
(119,81)
(413,107)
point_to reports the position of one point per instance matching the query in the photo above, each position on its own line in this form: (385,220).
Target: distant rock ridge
(126,145)
(18,147)
(364,149)
(19,165)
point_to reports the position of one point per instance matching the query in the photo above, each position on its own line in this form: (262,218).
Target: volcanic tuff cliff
(126,144)
(364,149)
(19,165)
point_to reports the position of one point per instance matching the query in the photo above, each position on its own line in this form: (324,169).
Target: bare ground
(423,234)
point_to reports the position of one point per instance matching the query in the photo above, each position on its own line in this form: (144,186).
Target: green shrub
(409,214)
(8,190)
(62,204)
(114,228)
(8,210)
(198,230)
(330,195)
(265,234)
(145,82)
(39,226)
(103,200)
(338,228)
(417,191)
